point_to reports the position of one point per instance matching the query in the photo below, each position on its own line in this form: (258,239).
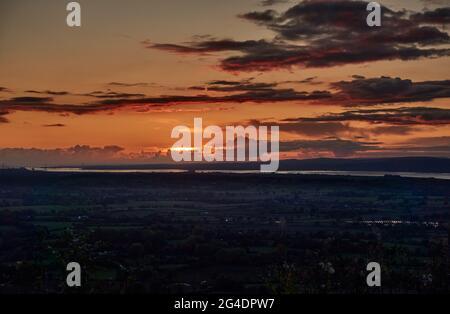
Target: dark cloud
(261,17)
(86,149)
(30,100)
(333,129)
(316,128)
(235,86)
(266,3)
(392,130)
(120,84)
(313,129)
(327,33)
(394,116)
(338,147)
(439,16)
(45,104)
(249,85)
(254,92)
(110,94)
(283,56)
(48,92)
(256,96)
(362,91)
(56,125)
(212,45)
(357,92)
(95,94)
(307,81)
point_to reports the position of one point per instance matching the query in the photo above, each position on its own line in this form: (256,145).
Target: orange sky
(39,53)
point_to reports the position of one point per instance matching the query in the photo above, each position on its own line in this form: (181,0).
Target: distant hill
(401,164)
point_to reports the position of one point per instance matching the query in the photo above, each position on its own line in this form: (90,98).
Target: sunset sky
(113,89)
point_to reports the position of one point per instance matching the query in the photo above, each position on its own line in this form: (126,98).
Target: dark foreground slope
(169,233)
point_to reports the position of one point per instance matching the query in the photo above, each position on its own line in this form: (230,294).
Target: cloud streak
(395,116)
(56,125)
(385,90)
(358,92)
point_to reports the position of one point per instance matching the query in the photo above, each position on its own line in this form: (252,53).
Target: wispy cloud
(267,3)
(384,90)
(56,125)
(358,92)
(121,84)
(396,116)
(48,92)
